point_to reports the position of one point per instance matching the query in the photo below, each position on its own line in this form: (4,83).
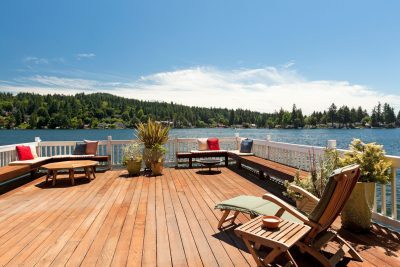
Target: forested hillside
(100,110)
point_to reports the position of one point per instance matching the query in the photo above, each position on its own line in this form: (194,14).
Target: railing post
(268,139)
(109,149)
(331,144)
(38,150)
(383,199)
(393,190)
(175,145)
(237,136)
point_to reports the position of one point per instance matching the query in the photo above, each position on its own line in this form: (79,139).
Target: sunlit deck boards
(145,221)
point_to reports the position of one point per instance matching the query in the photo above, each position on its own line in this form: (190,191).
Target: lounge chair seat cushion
(254,206)
(29,162)
(237,152)
(72,156)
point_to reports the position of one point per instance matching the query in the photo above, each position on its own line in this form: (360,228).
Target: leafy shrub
(152,133)
(374,166)
(320,172)
(132,152)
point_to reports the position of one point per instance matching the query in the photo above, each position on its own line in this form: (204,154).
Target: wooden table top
(285,235)
(71,164)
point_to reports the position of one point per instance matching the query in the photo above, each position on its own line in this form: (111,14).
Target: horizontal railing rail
(299,156)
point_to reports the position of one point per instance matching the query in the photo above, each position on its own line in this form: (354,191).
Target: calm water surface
(390,138)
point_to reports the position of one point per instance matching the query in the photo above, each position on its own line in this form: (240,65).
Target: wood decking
(167,220)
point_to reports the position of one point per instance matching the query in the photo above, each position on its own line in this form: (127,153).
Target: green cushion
(270,208)
(317,212)
(246,204)
(253,205)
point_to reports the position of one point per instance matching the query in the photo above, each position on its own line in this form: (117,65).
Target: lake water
(390,138)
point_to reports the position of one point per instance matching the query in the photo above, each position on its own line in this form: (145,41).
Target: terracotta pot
(157,167)
(147,155)
(133,167)
(357,212)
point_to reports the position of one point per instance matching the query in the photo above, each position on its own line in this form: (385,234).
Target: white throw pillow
(202,142)
(34,152)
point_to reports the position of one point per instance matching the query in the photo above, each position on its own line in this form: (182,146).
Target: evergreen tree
(332,113)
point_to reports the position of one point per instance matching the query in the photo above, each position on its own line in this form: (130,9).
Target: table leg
(253,252)
(71,176)
(94,172)
(275,252)
(54,177)
(290,259)
(48,175)
(87,175)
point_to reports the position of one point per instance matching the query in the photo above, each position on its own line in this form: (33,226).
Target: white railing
(8,153)
(298,156)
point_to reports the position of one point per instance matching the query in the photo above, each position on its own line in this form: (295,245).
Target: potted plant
(132,159)
(375,168)
(151,134)
(320,171)
(157,159)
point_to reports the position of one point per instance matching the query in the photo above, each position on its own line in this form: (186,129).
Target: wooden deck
(144,221)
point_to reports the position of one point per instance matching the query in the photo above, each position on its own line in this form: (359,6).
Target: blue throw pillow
(246,145)
(80,149)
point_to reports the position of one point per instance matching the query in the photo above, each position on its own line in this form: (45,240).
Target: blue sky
(345,51)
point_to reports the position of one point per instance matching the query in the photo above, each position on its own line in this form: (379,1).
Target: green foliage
(132,152)
(374,166)
(321,170)
(100,110)
(152,133)
(157,153)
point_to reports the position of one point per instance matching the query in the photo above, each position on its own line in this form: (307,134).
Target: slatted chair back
(336,193)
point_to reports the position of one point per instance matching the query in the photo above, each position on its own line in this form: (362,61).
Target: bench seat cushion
(72,156)
(29,162)
(207,151)
(254,206)
(237,152)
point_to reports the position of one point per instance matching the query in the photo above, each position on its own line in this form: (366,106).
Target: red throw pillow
(24,153)
(213,143)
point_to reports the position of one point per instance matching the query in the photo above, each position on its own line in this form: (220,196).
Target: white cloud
(85,56)
(35,60)
(262,89)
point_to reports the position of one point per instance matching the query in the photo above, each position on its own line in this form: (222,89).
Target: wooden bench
(270,167)
(202,154)
(11,172)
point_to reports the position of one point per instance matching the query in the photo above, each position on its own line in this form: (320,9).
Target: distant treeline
(100,110)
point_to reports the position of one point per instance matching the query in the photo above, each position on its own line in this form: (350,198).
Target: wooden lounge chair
(336,193)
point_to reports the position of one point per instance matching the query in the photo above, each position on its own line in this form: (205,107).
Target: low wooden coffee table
(87,165)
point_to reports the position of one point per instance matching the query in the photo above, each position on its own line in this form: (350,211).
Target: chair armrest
(304,193)
(287,207)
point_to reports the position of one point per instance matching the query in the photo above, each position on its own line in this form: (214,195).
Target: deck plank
(122,249)
(178,255)
(191,250)
(167,220)
(65,227)
(137,238)
(49,217)
(206,220)
(163,247)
